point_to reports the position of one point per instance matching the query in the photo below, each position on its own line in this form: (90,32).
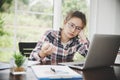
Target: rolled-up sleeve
(82,48)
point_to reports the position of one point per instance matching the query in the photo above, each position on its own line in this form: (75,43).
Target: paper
(31,63)
(117,60)
(44,72)
(4,65)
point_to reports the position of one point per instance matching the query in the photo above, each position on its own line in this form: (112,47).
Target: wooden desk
(93,74)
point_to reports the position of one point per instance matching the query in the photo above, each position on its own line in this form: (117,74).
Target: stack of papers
(4,65)
(55,72)
(31,63)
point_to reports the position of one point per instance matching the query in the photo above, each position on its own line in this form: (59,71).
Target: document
(55,72)
(4,65)
(31,63)
(117,60)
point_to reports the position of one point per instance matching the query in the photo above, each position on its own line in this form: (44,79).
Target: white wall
(117,27)
(105,17)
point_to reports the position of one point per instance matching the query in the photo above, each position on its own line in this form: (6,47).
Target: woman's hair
(77,14)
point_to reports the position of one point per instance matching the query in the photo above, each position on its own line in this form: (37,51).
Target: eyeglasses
(71,25)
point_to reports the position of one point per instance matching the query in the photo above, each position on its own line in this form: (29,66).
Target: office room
(27,20)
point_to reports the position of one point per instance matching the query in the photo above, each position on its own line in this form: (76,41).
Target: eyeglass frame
(72,25)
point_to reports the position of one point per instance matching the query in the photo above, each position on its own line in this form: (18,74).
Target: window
(33,18)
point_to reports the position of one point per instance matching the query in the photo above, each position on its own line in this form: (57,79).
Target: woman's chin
(70,36)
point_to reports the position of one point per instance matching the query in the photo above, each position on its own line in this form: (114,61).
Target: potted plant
(18,64)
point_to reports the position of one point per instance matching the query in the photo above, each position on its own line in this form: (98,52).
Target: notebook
(102,52)
(55,72)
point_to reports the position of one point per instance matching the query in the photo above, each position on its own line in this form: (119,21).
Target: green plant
(19,59)
(1,25)
(5,5)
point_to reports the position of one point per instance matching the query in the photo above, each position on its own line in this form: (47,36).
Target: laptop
(100,74)
(102,52)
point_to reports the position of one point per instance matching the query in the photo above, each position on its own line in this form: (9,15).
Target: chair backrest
(26,48)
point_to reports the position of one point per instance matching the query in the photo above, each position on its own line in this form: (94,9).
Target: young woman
(63,44)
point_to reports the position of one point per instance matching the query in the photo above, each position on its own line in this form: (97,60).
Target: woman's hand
(83,37)
(47,49)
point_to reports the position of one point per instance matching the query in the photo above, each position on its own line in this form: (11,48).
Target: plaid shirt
(62,52)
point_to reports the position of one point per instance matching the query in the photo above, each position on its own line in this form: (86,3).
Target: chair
(26,48)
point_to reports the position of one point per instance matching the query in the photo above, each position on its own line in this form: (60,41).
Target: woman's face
(72,27)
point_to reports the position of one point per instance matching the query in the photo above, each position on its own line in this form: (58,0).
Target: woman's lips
(71,34)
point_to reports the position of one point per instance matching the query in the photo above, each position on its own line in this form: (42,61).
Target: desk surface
(110,73)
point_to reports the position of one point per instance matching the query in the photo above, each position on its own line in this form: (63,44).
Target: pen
(53,70)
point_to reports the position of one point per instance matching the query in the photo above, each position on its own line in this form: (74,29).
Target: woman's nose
(73,29)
